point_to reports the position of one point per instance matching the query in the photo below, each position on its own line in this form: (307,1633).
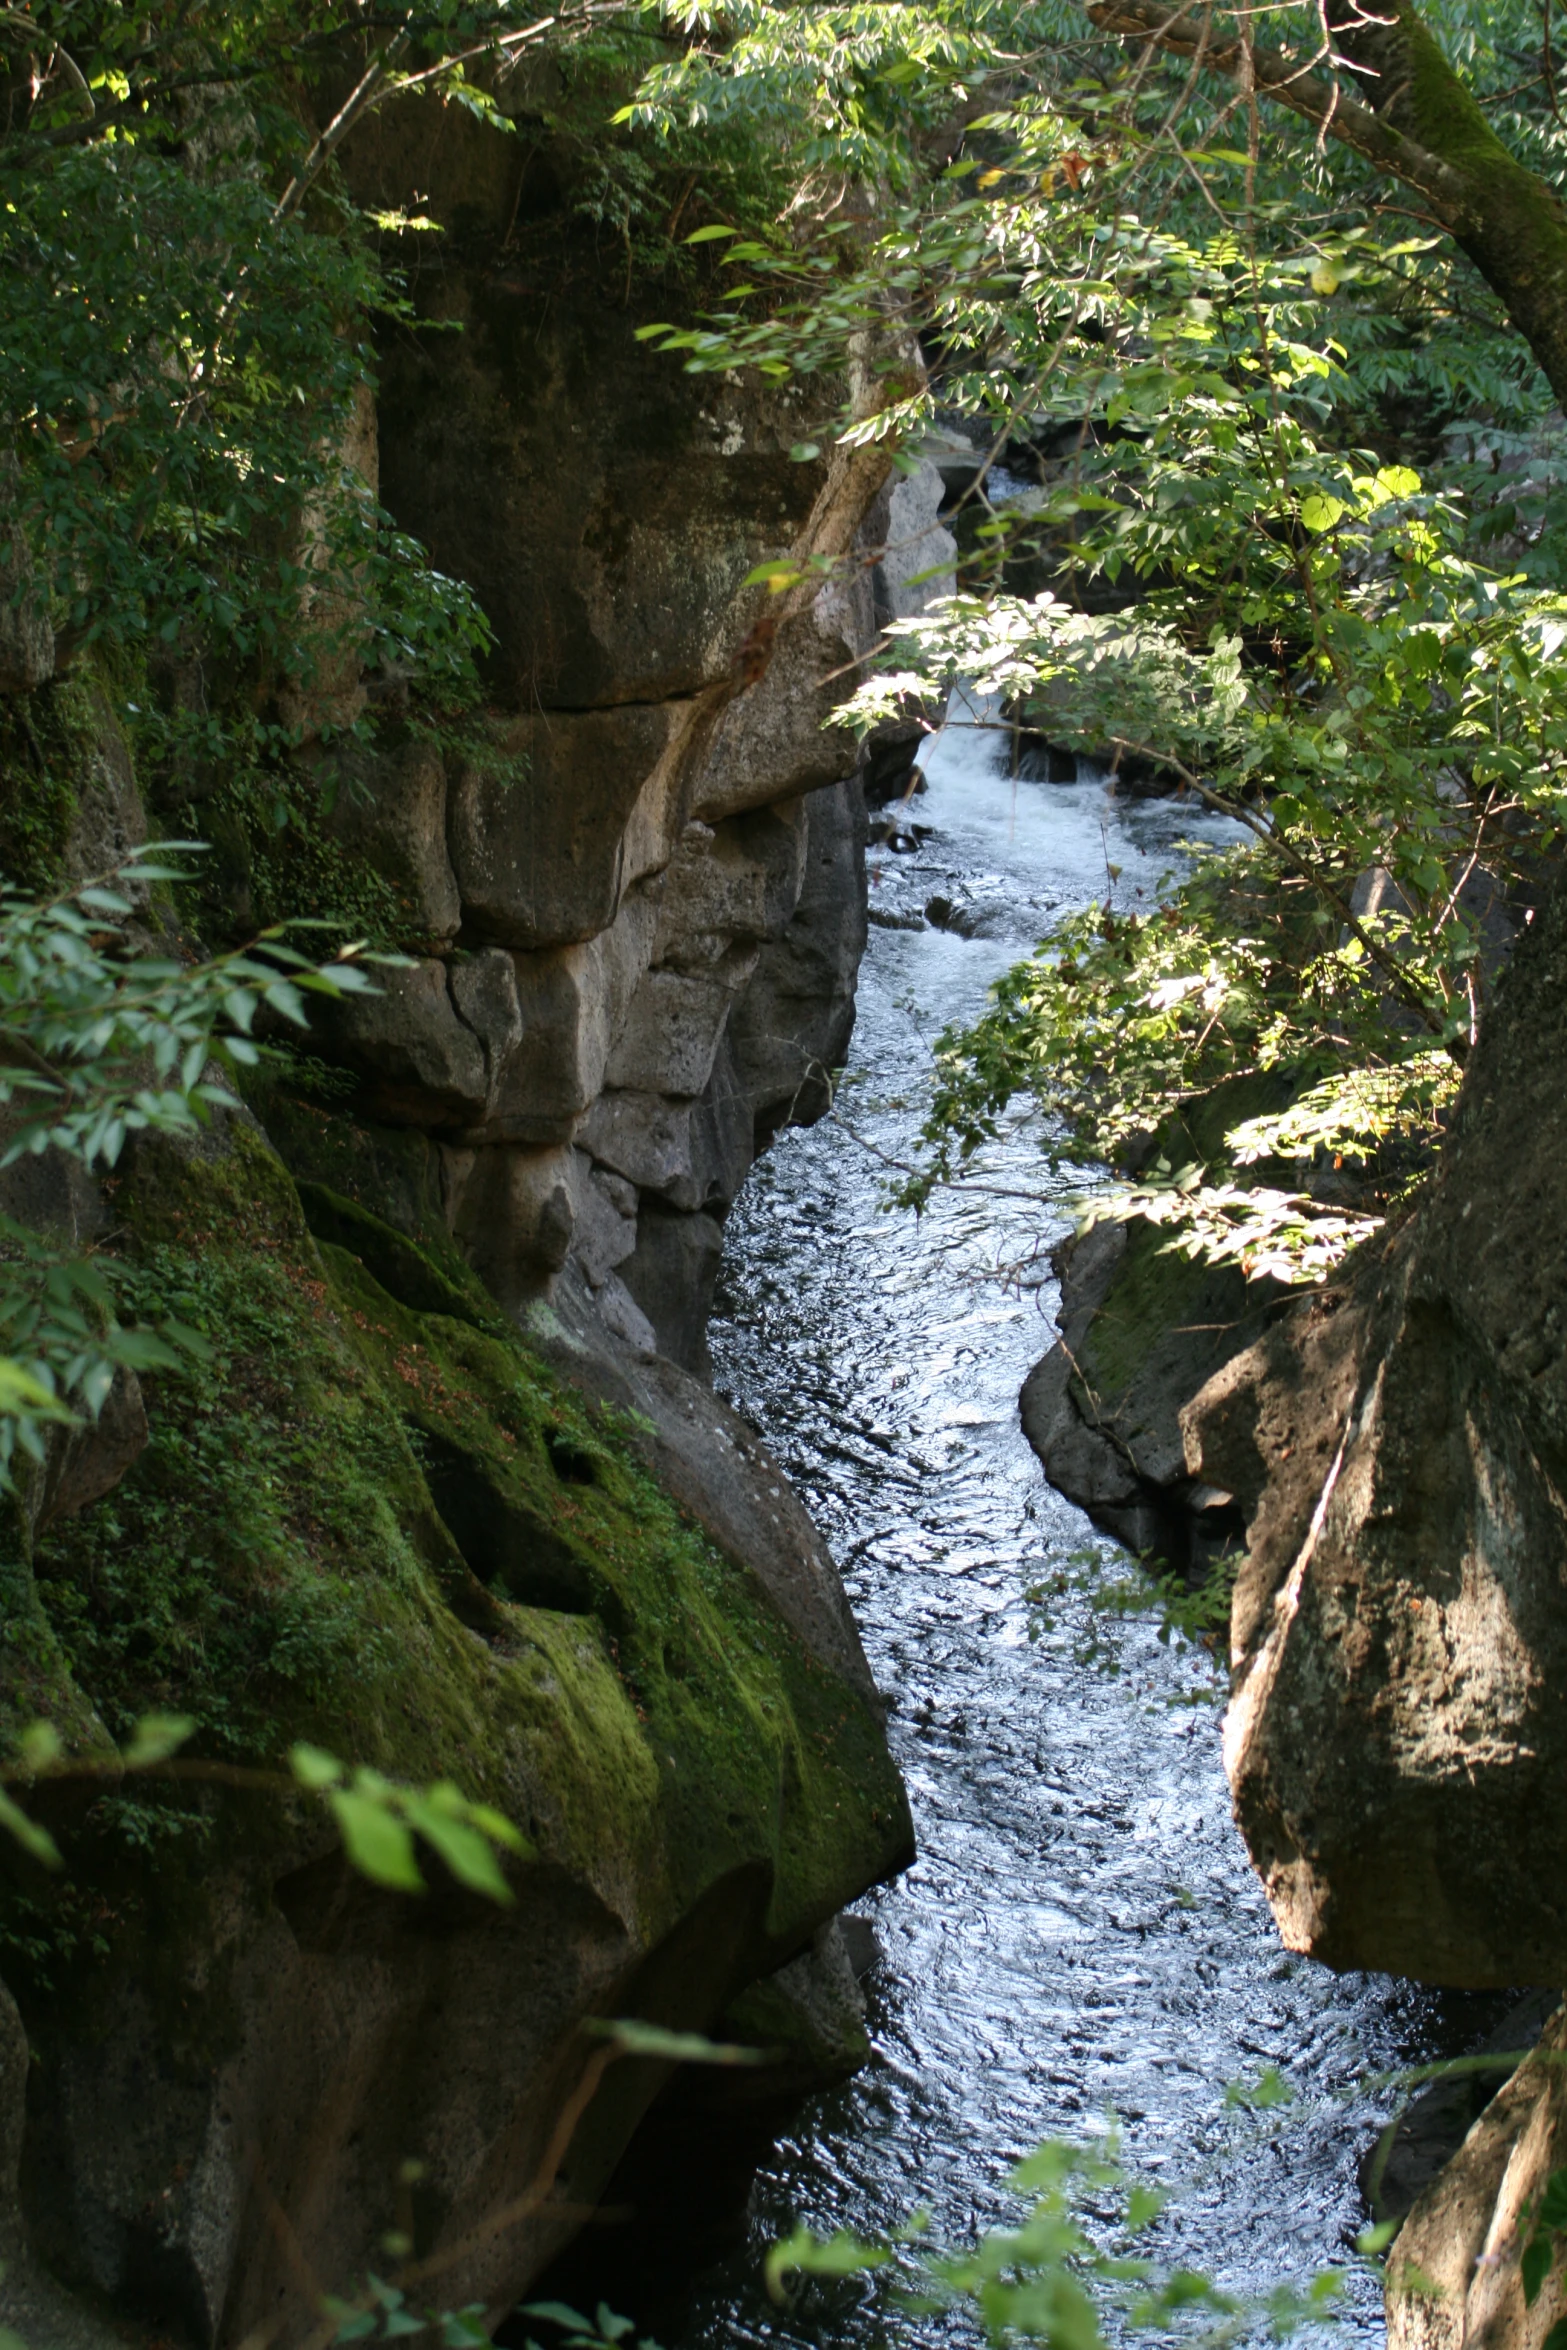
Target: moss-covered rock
(386,1524)
(1143,1327)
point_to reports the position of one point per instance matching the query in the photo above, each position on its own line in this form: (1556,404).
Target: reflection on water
(1081,1932)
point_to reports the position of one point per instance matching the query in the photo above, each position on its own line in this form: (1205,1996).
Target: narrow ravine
(1082,1933)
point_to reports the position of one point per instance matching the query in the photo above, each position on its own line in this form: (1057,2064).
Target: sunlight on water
(1082,1932)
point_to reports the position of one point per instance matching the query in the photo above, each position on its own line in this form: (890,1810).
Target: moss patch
(283,1562)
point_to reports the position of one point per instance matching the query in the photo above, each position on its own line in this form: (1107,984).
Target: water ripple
(1081,1931)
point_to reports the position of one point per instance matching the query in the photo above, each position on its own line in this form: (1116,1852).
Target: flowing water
(1081,1933)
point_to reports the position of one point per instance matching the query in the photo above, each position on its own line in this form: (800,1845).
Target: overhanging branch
(1188,31)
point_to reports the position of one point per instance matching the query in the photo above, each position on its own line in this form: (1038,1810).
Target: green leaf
(156,1737)
(1535,2267)
(378,1844)
(501,1830)
(465,2329)
(1320,512)
(802,2254)
(1270,2089)
(637,2038)
(28,1833)
(708,236)
(40,1746)
(465,1852)
(775,576)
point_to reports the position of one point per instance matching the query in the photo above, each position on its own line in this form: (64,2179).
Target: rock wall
(1399,1445)
(452,1496)
(641,884)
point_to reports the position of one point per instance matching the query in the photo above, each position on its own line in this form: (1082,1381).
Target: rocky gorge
(451,1489)
(453,1493)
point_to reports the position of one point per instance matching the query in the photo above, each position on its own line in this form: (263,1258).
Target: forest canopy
(1254,314)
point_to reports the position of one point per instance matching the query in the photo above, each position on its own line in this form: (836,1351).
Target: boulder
(671,1274)
(1142,1329)
(605,1224)
(572,1003)
(1399,1639)
(777,738)
(736,882)
(512,1209)
(918,554)
(671,1034)
(549,832)
(792,1028)
(1454,2270)
(557,1573)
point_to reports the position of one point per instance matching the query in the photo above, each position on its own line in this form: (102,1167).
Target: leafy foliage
(1287,530)
(1054,2278)
(99,1043)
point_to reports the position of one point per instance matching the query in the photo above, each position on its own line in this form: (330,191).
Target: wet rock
(1142,1329)
(887,771)
(890,831)
(962,919)
(1399,1446)
(861,1942)
(1407,2158)
(682,2191)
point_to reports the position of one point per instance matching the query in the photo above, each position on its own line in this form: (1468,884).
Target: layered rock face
(1399,1639)
(642,882)
(449,1499)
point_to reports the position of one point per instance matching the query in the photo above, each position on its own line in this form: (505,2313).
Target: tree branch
(1320,99)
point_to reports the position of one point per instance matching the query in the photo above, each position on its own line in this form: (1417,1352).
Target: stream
(1081,1934)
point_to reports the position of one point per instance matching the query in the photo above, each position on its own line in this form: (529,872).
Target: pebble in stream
(1082,1931)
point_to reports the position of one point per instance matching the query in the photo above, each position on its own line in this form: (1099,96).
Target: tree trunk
(1398,102)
